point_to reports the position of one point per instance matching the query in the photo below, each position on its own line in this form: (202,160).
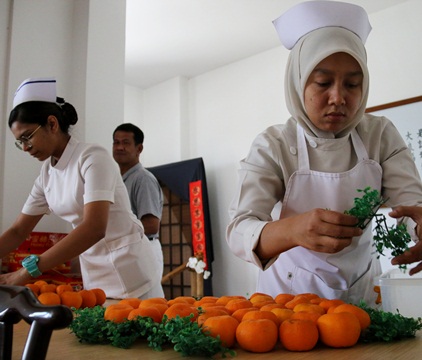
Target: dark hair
(37,112)
(138,134)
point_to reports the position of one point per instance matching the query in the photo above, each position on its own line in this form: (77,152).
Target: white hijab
(310,50)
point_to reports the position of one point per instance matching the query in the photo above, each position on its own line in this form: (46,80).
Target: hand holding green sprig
(396,238)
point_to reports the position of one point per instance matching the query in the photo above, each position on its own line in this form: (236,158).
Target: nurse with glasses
(81,184)
(26,140)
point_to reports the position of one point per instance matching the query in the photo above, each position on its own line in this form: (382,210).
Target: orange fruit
(283,298)
(100,296)
(182,309)
(260,304)
(257,336)
(327,303)
(49,298)
(149,311)
(339,329)
(308,307)
(117,313)
(216,310)
(205,300)
(48,288)
(283,314)
(298,299)
(258,294)
(298,335)
(134,302)
(310,296)
(252,315)
(71,299)
(362,315)
(316,300)
(377,289)
(304,315)
(261,297)
(88,298)
(210,313)
(35,288)
(238,314)
(40,283)
(182,299)
(236,304)
(222,326)
(63,287)
(206,306)
(223,300)
(160,307)
(269,307)
(153,301)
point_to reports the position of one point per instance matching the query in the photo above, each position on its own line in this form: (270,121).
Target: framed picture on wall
(407,117)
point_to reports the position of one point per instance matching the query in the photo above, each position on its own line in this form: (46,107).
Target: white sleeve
(100,173)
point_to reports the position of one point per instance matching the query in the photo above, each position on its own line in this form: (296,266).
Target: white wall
(4,68)
(228,107)
(105,70)
(162,109)
(395,53)
(33,56)
(214,116)
(81,43)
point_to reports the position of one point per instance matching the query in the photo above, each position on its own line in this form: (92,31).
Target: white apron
(123,267)
(348,274)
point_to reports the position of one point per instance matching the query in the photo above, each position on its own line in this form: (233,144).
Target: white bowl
(401,292)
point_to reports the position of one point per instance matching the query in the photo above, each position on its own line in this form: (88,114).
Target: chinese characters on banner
(198,224)
(407,118)
(414,143)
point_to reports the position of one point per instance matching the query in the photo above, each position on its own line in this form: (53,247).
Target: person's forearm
(318,230)
(151,224)
(9,241)
(274,240)
(17,233)
(75,243)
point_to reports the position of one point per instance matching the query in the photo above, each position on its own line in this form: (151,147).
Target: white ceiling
(169,38)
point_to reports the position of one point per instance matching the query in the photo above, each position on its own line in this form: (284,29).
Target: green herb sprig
(395,238)
(184,335)
(388,327)
(366,207)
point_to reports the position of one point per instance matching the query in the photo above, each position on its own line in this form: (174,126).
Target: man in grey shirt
(146,197)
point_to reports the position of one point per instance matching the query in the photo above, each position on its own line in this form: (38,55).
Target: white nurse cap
(36,89)
(311,15)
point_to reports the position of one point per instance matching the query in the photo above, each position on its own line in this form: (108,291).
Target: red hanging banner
(198,224)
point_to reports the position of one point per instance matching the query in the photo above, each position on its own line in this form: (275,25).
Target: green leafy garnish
(395,238)
(387,327)
(366,207)
(184,335)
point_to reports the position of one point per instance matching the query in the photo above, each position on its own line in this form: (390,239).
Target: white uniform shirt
(87,173)
(272,159)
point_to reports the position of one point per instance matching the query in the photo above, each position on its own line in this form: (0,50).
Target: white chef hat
(36,89)
(311,15)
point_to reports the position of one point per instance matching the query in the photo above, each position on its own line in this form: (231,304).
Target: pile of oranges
(259,323)
(64,294)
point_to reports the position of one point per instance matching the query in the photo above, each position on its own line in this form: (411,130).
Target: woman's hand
(318,230)
(18,277)
(414,254)
(325,230)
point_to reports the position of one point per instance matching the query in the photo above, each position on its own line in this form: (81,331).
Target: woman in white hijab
(313,166)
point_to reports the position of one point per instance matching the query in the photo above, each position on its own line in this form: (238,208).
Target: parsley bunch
(90,326)
(184,335)
(387,327)
(365,207)
(396,238)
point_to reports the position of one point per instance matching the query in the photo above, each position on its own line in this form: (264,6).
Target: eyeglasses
(26,140)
